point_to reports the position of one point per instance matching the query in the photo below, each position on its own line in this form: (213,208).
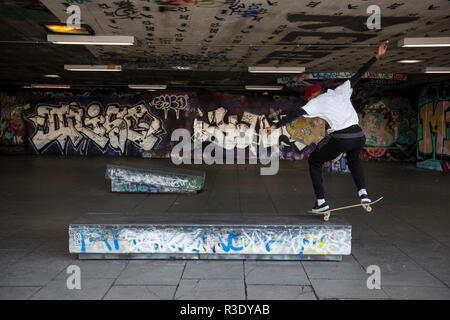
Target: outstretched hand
(382,48)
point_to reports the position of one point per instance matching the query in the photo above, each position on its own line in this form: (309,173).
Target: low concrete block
(132,236)
(147,180)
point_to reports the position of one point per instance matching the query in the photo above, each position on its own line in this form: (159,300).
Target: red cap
(310,90)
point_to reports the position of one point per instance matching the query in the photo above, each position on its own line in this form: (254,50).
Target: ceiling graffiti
(226,36)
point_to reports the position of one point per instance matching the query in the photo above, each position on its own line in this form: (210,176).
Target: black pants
(332,146)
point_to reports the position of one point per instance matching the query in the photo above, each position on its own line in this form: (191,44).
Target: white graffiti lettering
(228,132)
(119,124)
(171,102)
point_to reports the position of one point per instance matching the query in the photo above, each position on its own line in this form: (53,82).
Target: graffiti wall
(141,123)
(433,141)
(337,165)
(390,125)
(12,127)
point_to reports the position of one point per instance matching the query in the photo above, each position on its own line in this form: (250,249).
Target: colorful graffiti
(140,123)
(307,130)
(135,179)
(390,127)
(12,128)
(433,138)
(166,239)
(338,165)
(292,80)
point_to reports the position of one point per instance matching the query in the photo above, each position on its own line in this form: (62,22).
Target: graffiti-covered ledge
(121,236)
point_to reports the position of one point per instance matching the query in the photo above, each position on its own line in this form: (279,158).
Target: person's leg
(327,150)
(354,164)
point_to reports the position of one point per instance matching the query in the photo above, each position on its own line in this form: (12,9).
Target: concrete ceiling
(219,39)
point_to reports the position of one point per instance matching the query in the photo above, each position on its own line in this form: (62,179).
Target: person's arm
(291,117)
(381,51)
(354,80)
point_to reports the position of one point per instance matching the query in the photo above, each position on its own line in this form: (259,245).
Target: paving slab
(35,269)
(151,273)
(345,289)
(279,292)
(414,293)
(347,269)
(272,272)
(97,269)
(214,270)
(210,290)
(395,275)
(8,257)
(17,293)
(397,268)
(93,289)
(16,243)
(393,228)
(371,252)
(432,256)
(140,293)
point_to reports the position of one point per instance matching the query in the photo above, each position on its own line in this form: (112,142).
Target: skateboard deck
(366,206)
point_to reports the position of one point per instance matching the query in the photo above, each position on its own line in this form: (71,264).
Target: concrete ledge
(148,180)
(192,256)
(209,237)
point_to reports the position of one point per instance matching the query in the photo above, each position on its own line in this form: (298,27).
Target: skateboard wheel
(369,209)
(326,218)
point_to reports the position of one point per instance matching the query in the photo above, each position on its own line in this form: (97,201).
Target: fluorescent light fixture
(109,67)
(51,76)
(64,29)
(50,86)
(437,70)
(276,70)
(425,42)
(148,86)
(409,61)
(91,40)
(181,68)
(263,87)
(177,82)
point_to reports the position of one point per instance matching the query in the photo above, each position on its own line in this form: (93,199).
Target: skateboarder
(344,135)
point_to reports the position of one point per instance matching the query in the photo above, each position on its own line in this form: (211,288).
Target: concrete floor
(407,236)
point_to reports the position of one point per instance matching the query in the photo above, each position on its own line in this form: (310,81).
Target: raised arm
(354,80)
(291,117)
(381,51)
(297,113)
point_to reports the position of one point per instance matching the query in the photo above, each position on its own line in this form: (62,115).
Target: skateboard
(366,206)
